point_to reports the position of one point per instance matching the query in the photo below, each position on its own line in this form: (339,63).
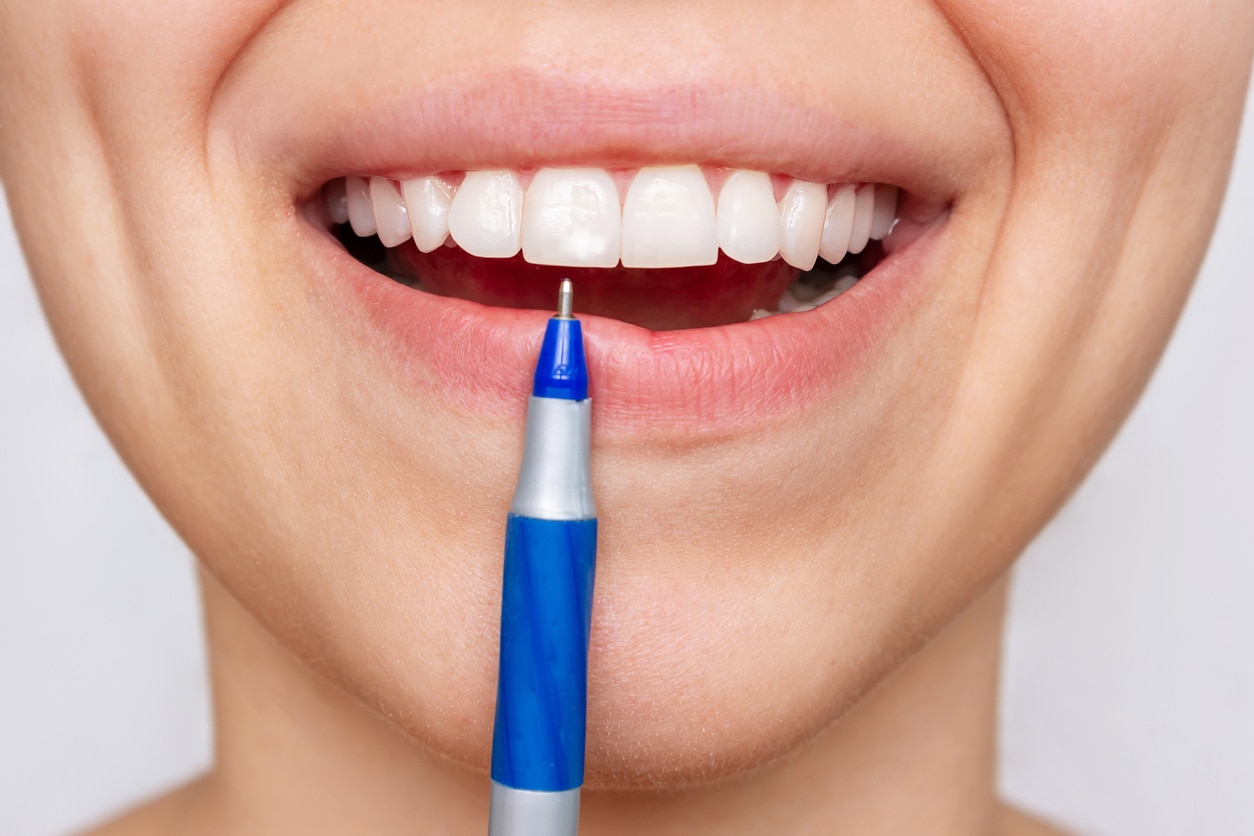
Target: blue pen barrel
(546,599)
(546,617)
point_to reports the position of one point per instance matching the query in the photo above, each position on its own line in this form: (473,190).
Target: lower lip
(701,381)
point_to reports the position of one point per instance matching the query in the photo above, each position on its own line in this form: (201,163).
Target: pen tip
(565,299)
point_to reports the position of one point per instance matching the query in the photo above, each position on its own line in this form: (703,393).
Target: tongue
(662,300)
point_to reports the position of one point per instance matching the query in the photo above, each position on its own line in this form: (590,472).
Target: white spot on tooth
(572,218)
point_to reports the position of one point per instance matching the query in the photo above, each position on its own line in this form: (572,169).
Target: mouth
(661,247)
(735,258)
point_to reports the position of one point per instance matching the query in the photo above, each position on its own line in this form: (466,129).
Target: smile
(715,295)
(663,224)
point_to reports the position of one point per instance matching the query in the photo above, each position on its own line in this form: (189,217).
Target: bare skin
(799,579)
(927,733)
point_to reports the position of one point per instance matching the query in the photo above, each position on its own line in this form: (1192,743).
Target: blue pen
(546,603)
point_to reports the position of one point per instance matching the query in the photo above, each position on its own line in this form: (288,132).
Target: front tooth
(485,216)
(837,225)
(863,215)
(801,212)
(572,218)
(748,219)
(668,219)
(885,211)
(360,212)
(390,218)
(428,199)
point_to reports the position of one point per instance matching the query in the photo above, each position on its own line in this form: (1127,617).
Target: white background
(1129,690)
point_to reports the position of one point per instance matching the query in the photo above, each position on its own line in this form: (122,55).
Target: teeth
(802,211)
(885,211)
(749,226)
(863,215)
(390,218)
(572,218)
(360,213)
(838,224)
(428,200)
(669,219)
(337,201)
(485,217)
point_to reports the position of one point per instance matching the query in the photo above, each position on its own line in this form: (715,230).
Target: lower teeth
(810,289)
(800,297)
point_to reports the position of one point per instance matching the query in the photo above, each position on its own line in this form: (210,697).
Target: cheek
(1096,59)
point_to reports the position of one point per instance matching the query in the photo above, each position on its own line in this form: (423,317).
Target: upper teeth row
(574,217)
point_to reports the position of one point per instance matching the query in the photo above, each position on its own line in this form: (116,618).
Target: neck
(296,754)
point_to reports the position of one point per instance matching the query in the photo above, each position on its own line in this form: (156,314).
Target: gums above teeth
(654,217)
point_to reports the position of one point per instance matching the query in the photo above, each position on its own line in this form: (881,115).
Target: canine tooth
(761,313)
(360,212)
(485,216)
(837,225)
(885,211)
(572,218)
(336,201)
(863,215)
(428,199)
(391,220)
(749,227)
(801,214)
(669,219)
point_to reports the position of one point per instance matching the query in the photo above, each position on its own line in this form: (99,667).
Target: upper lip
(524,119)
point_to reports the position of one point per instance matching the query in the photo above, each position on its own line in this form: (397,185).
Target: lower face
(866,288)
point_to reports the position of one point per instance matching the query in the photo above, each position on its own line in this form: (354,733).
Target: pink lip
(521,119)
(701,381)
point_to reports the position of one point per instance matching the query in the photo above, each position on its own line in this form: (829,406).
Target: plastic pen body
(546,606)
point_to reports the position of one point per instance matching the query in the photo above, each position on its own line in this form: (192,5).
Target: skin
(836,674)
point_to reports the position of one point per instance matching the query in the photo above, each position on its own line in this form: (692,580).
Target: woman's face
(789,506)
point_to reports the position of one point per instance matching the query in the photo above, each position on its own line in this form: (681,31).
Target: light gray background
(1129,689)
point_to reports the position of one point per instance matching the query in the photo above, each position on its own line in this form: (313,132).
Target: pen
(546,601)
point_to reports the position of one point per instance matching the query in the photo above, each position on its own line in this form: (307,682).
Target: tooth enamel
(391,221)
(748,219)
(428,200)
(801,213)
(336,201)
(669,219)
(571,218)
(486,214)
(843,284)
(788,303)
(863,215)
(885,211)
(360,212)
(837,224)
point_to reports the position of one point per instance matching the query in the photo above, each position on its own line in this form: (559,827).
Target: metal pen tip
(565,299)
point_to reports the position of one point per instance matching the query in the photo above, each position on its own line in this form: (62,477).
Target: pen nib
(565,299)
